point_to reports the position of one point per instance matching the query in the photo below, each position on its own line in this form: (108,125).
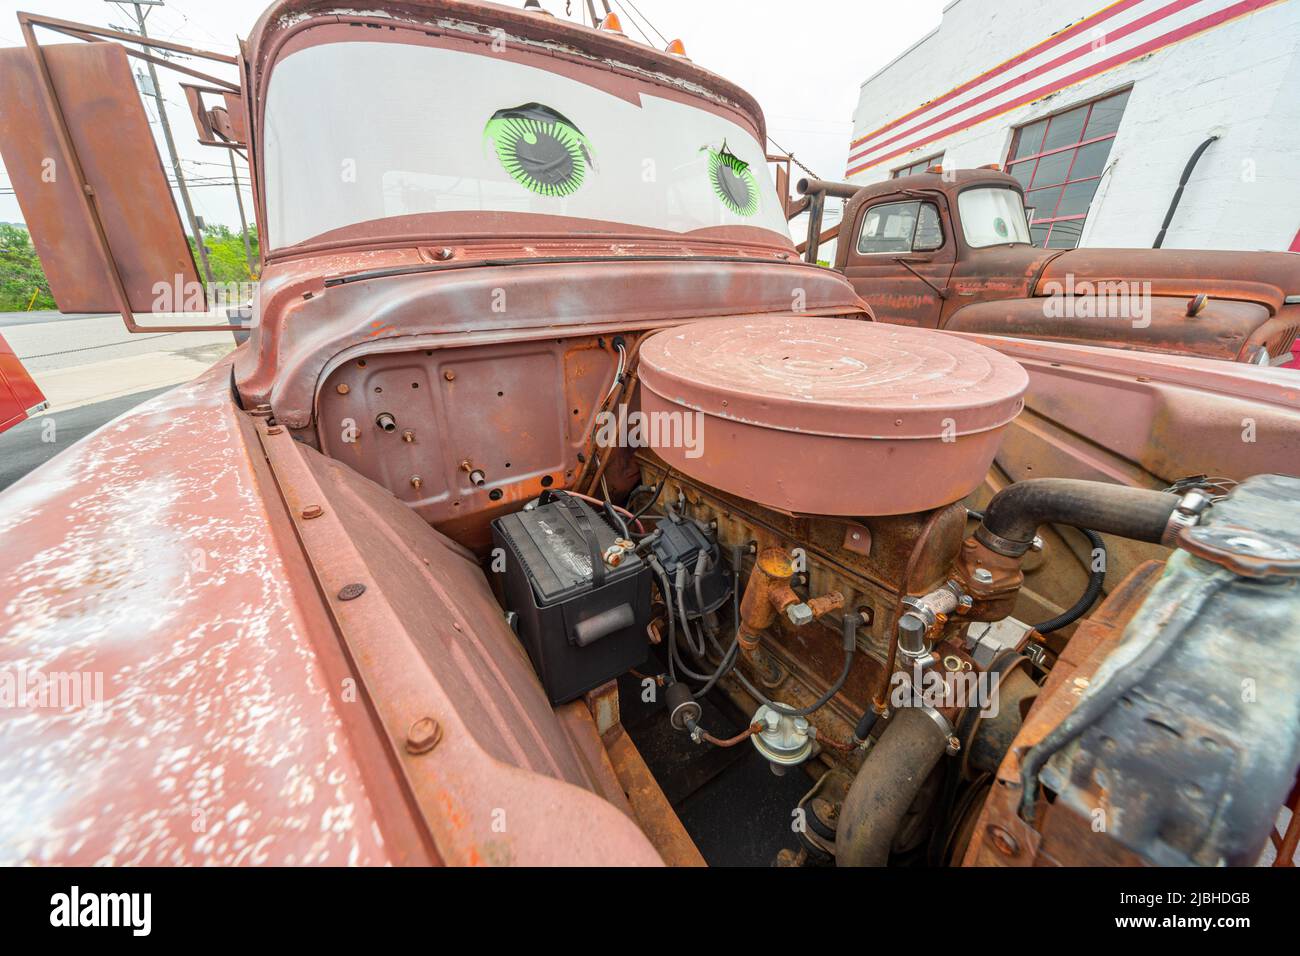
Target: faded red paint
(234,726)
(921,413)
(20,396)
(144,554)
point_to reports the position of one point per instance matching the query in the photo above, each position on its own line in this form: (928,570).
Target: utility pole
(243,221)
(171,145)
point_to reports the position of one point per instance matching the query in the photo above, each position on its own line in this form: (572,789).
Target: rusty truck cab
(493,208)
(952,249)
(903,239)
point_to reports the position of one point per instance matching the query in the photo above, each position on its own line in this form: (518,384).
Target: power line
(646,19)
(632,20)
(186,205)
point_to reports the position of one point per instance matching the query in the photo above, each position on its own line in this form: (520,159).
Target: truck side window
(900,227)
(929,232)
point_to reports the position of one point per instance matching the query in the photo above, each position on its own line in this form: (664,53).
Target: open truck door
(78,147)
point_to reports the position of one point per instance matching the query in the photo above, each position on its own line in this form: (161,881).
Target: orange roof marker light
(937,170)
(611,23)
(677,48)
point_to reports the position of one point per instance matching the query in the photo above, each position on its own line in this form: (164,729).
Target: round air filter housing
(828,416)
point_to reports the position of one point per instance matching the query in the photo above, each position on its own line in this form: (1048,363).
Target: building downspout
(1178,193)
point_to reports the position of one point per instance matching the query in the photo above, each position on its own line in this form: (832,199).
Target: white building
(1097,109)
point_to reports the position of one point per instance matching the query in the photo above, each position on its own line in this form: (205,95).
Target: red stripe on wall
(1295,243)
(1057,38)
(1191,29)
(1140,23)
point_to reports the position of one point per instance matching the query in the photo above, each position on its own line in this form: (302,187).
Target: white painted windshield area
(992,216)
(362,131)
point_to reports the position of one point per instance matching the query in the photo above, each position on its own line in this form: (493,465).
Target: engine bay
(782,541)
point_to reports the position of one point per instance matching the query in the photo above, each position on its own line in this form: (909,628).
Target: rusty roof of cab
(607,49)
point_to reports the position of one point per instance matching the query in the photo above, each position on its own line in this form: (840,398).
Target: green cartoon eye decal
(540,149)
(733,182)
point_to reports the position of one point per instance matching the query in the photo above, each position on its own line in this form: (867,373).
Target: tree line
(23,285)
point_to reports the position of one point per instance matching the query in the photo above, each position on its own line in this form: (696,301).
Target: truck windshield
(358,133)
(992,216)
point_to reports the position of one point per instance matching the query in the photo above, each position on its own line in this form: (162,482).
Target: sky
(803,62)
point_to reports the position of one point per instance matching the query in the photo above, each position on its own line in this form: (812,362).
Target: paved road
(91,370)
(22,447)
(46,341)
(9,319)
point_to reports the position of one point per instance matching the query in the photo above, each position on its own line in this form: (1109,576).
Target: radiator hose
(1015,512)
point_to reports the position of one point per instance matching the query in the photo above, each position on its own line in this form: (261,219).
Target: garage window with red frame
(920,166)
(1059,160)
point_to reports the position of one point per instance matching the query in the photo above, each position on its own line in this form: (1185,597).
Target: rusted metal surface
(1129,417)
(653,811)
(1139,419)
(1180,765)
(306,330)
(222,737)
(216,125)
(102,202)
(602,702)
(1001,837)
(20,396)
(578,724)
(1003,290)
(1204,768)
(477,405)
(1266,278)
(636,786)
(202,616)
(309,341)
(920,413)
(427,639)
(807,186)
(114,152)
(1286,846)
(1220,331)
(907,554)
(406,689)
(621,776)
(767,594)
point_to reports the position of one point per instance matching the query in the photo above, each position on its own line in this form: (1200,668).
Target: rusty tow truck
(550,485)
(951,249)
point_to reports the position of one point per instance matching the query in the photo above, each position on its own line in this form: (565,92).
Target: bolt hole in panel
(831,416)
(507,409)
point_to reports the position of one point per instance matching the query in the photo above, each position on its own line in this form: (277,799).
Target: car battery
(582,621)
